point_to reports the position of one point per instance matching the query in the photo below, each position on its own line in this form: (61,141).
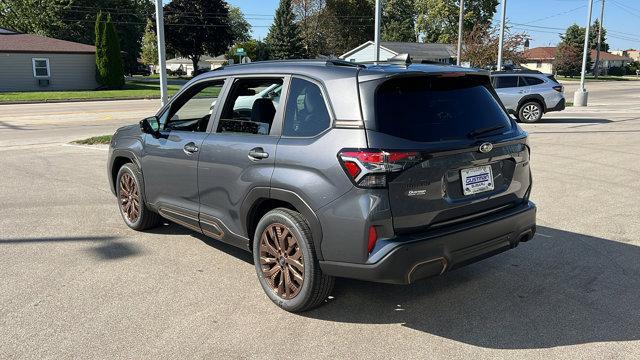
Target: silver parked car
(528,94)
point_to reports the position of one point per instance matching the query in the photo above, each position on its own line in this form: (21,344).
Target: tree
(284,38)
(192,31)
(149,51)
(569,52)
(398,21)
(437,20)
(109,72)
(346,24)
(240,27)
(255,50)
(101,55)
(481,46)
(593,37)
(307,15)
(568,60)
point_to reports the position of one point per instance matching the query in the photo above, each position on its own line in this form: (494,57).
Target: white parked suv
(528,94)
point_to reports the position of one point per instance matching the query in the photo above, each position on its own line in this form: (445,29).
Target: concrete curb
(76,100)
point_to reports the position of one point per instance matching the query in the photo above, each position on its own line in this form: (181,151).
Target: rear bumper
(559,107)
(409,259)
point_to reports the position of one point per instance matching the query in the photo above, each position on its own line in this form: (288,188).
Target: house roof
(609,56)
(541,53)
(418,51)
(15,42)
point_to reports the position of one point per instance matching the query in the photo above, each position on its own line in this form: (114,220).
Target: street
(78,283)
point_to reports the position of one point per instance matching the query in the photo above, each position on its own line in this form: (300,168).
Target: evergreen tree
(593,37)
(284,38)
(569,52)
(115,71)
(149,52)
(101,57)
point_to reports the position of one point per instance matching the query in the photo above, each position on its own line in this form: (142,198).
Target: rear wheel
(131,201)
(286,263)
(530,112)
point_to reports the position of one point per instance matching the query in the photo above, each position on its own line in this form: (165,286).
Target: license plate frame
(477,179)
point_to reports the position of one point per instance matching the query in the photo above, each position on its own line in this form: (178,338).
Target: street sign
(240,52)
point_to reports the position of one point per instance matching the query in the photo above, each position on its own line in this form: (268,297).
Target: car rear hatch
(452,152)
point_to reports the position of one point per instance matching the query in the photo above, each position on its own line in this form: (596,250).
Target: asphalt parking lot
(77,283)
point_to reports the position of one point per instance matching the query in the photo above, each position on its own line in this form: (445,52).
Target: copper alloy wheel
(281,261)
(129,197)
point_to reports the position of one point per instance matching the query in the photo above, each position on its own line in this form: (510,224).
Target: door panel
(170,174)
(239,154)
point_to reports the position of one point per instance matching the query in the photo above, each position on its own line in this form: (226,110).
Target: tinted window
(191,112)
(251,106)
(430,109)
(552,78)
(506,82)
(306,113)
(533,81)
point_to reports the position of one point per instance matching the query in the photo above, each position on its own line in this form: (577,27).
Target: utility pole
(581,95)
(501,41)
(596,68)
(376,38)
(161,52)
(460,32)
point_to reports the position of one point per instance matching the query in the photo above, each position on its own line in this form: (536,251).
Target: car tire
(286,263)
(530,112)
(131,199)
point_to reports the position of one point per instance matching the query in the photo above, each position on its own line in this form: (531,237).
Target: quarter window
(306,113)
(40,67)
(251,106)
(533,81)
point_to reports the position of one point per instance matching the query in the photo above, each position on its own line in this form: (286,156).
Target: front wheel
(131,201)
(530,112)
(286,263)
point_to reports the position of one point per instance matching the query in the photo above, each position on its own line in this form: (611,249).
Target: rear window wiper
(478,132)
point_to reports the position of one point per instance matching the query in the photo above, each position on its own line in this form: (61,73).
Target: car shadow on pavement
(561,288)
(174,229)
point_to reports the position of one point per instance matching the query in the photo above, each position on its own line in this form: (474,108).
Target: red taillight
(369,168)
(558,88)
(373,237)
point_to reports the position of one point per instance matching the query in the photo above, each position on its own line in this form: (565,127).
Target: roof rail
(338,62)
(400,59)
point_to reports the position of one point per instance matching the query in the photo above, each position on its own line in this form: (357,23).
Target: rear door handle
(258,153)
(190,148)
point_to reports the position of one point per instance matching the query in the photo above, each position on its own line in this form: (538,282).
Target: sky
(543,20)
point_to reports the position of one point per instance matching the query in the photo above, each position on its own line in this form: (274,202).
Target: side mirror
(151,126)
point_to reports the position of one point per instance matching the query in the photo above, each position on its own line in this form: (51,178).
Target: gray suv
(387,173)
(528,94)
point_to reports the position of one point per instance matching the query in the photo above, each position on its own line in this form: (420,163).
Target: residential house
(186,65)
(630,53)
(542,59)
(35,63)
(444,53)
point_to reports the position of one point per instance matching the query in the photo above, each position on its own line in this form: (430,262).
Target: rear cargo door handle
(258,153)
(190,148)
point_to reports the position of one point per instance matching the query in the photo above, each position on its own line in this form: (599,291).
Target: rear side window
(431,109)
(306,113)
(506,82)
(552,78)
(533,80)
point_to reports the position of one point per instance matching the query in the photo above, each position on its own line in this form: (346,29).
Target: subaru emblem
(486,147)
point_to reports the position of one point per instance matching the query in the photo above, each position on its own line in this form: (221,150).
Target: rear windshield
(431,109)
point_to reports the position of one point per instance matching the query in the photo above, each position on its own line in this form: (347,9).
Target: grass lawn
(590,78)
(104,139)
(132,89)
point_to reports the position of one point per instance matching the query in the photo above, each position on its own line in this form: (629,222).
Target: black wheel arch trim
(259,194)
(121,153)
(536,97)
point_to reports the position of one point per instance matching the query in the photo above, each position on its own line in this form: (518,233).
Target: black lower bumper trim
(412,260)
(559,107)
